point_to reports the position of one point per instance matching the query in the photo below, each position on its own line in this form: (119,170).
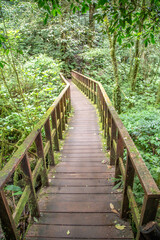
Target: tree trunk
(137,52)
(117,92)
(91,24)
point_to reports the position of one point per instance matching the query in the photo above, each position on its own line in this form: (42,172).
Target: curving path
(80,202)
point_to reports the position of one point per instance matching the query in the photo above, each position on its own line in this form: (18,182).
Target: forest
(114,42)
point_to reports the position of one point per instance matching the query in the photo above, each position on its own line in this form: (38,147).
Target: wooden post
(49,138)
(54,126)
(88,91)
(113,143)
(148,212)
(120,151)
(7,221)
(108,129)
(60,121)
(40,154)
(102,111)
(69,99)
(62,113)
(65,99)
(129,178)
(98,100)
(33,203)
(101,107)
(105,118)
(95,91)
(92,88)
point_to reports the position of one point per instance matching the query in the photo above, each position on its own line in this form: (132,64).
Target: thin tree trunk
(91,24)
(137,53)
(117,92)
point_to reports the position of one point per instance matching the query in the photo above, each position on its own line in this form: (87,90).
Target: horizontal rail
(119,141)
(51,128)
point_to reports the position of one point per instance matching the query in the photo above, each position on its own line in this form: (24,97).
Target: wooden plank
(84,232)
(86,189)
(97,155)
(82,175)
(45,238)
(79,169)
(81,147)
(85,219)
(83,143)
(88,150)
(78,207)
(51,198)
(75,219)
(82,159)
(80,182)
(84,164)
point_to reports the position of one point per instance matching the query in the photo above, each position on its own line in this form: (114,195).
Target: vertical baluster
(113,140)
(98,98)
(33,203)
(54,126)
(95,91)
(87,82)
(148,212)
(91,90)
(40,154)
(90,93)
(65,104)
(7,221)
(69,100)
(120,151)
(60,121)
(105,118)
(49,138)
(103,112)
(65,107)
(86,87)
(108,129)
(62,113)
(129,179)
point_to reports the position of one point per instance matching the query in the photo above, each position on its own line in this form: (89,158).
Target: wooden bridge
(77,200)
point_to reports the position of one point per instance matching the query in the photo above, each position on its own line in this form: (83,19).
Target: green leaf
(13,188)
(101,2)
(17,193)
(46,18)
(152,38)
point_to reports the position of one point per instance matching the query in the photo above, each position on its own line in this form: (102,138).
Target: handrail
(119,140)
(53,122)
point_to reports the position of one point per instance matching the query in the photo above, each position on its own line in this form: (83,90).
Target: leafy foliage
(144,129)
(40,85)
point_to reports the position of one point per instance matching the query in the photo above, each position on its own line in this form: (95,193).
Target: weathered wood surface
(80,192)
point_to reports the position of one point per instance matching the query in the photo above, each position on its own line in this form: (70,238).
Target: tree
(134,20)
(92,6)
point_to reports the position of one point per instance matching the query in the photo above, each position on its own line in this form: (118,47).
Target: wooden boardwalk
(79,202)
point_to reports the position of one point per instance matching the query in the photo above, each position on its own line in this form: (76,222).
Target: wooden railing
(120,144)
(49,130)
